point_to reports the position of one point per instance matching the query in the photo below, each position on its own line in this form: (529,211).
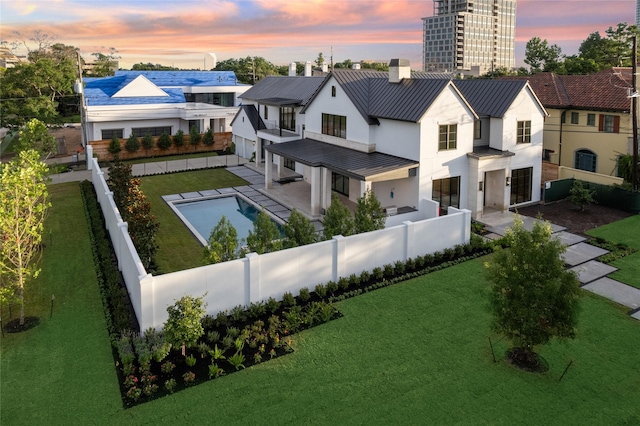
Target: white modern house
(137,102)
(415,141)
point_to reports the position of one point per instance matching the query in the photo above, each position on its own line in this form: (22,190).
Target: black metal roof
(252,115)
(281,101)
(490,97)
(356,164)
(300,89)
(375,97)
(484,152)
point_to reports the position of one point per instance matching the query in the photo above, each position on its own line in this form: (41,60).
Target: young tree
(580,196)
(369,214)
(265,236)
(533,297)
(183,327)
(223,243)
(35,135)
(147,142)
(164,141)
(178,140)
(114,147)
(23,208)
(194,137)
(299,230)
(132,144)
(207,139)
(337,220)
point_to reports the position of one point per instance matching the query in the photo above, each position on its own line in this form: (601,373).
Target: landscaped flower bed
(148,367)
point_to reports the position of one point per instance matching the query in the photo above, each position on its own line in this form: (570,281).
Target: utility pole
(634,118)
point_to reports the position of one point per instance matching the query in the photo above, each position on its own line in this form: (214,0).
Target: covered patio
(320,161)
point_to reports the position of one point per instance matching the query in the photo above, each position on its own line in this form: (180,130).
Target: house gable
(138,88)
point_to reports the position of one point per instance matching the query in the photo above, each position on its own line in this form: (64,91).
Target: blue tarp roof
(99,91)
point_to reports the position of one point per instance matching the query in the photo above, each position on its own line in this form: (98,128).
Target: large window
(110,133)
(287,119)
(194,123)
(524,132)
(585,160)
(521,185)
(334,125)
(221,99)
(609,123)
(448,137)
(289,164)
(155,131)
(447,193)
(340,183)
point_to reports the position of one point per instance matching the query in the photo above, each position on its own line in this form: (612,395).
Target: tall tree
(369,214)
(533,297)
(320,59)
(35,135)
(337,220)
(104,64)
(23,207)
(541,56)
(249,70)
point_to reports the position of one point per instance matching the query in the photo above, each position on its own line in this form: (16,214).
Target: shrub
(147,141)
(389,270)
(221,319)
(321,290)
(272,305)
(178,140)
(581,196)
(332,287)
(170,385)
(208,322)
(378,273)
(344,282)
(132,144)
(114,147)
(189,378)
(207,139)
(233,332)
(203,349)
(365,276)
(288,300)
(238,314)
(399,267)
(190,361)
(194,136)
(167,367)
(304,295)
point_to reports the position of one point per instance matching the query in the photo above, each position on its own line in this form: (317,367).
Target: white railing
(258,277)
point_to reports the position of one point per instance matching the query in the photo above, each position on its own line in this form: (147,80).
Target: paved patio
(580,257)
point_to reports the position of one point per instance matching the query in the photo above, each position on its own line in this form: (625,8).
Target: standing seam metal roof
(300,89)
(490,97)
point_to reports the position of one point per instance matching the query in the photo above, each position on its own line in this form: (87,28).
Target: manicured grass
(413,353)
(626,231)
(184,156)
(179,249)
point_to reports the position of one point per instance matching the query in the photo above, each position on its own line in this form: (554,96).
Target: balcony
(273,132)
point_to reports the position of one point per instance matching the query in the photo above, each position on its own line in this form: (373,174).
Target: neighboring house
(412,138)
(270,113)
(589,123)
(137,102)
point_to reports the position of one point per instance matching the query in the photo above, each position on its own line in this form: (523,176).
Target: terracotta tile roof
(604,91)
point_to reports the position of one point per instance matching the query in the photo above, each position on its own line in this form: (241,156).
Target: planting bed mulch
(565,214)
(527,360)
(14,326)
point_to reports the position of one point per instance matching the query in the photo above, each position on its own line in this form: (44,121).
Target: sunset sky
(181,32)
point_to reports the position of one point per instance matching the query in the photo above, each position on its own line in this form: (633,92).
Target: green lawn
(179,249)
(413,353)
(185,156)
(626,231)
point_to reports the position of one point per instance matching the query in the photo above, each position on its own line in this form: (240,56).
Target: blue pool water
(204,215)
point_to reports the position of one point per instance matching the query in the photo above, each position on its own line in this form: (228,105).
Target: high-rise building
(638,13)
(473,36)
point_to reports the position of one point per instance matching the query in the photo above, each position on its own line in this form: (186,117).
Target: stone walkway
(580,257)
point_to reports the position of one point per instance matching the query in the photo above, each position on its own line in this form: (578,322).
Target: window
(609,123)
(447,193)
(287,118)
(575,118)
(477,129)
(591,119)
(448,138)
(521,185)
(563,117)
(333,91)
(334,125)
(110,133)
(289,164)
(340,183)
(585,160)
(266,112)
(524,132)
(155,131)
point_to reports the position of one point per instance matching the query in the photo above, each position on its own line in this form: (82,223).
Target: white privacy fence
(258,277)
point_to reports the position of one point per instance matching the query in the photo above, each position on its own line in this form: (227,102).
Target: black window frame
(575,117)
(591,119)
(334,125)
(108,134)
(340,183)
(141,132)
(585,159)
(446,191)
(521,185)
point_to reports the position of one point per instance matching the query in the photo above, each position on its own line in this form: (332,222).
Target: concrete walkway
(580,257)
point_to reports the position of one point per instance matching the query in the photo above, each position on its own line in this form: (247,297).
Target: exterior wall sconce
(480,186)
(508,180)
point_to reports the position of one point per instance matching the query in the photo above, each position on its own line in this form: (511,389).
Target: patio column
(268,170)
(325,190)
(258,151)
(279,166)
(316,186)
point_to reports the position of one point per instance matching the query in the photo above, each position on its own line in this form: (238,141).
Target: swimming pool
(202,215)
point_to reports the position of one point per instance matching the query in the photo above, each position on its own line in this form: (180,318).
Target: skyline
(181,33)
